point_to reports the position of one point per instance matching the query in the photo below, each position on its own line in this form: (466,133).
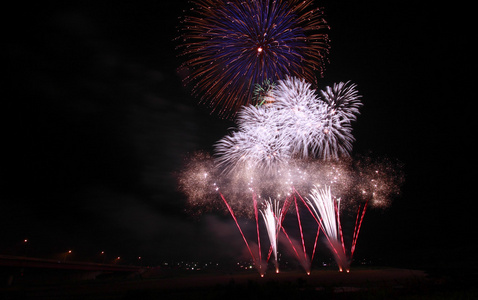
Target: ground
(378,283)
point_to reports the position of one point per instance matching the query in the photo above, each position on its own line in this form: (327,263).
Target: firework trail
(358,224)
(300,227)
(256,215)
(272,215)
(230,46)
(238,227)
(327,211)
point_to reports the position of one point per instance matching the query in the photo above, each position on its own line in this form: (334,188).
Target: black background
(96,123)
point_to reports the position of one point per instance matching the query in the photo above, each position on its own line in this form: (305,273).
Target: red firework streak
(315,244)
(337,215)
(287,236)
(357,229)
(239,227)
(257,227)
(300,226)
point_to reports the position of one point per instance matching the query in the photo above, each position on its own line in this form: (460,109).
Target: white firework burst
(343,99)
(315,127)
(233,151)
(257,144)
(299,108)
(333,137)
(297,123)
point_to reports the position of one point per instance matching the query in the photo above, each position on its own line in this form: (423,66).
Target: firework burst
(263,93)
(258,143)
(301,112)
(343,100)
(297,123)
(230,46)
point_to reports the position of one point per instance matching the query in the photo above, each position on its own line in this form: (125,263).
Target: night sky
(97,122)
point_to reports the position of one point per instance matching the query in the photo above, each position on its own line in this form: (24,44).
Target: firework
(295,124)
(272,219)
(327,211)
(257,60)
(258,149)
(312,126)
(343,99)
(263,93)
(323,206)
(301,113)
(230,46)
(333,186)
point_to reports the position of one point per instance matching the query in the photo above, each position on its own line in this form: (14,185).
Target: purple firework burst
(232,45)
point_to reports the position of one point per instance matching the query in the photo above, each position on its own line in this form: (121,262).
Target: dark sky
(97,121)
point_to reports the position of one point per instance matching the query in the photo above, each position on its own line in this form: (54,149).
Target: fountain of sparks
(272,219)
(326,210)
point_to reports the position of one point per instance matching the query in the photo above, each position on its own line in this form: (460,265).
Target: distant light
(25,240)
(69,251)
(102,252)
(259,49)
